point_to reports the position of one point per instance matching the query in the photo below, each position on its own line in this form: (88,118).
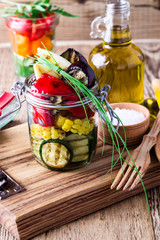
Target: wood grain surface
(157,148)
(124,220)
(51,198)
(144,19)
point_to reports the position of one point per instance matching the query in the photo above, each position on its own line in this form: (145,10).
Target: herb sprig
(35,10)
(82,89)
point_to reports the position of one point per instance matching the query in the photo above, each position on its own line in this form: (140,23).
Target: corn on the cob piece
(82,127)
(60,121)
(78,122)
(73,130)
(46,133)
(67,125)
(75,126)
(36,130)
(54,133)
(62,134)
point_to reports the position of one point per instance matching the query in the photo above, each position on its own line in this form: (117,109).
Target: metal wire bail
(103,96)
(17,90)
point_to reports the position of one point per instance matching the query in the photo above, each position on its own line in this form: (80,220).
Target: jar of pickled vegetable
(117,61)
(28,34)
(62,137)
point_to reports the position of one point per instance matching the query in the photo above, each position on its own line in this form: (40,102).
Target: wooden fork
(127,176)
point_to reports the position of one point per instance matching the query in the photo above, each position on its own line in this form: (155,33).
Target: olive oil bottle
(117,61)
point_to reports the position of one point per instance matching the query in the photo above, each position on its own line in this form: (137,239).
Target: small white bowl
(134,133)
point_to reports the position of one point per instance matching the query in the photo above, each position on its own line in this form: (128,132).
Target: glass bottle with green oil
(117,61)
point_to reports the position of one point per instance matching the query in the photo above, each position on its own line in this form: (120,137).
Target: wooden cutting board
(51,198)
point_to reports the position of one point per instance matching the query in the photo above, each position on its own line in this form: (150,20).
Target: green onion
(79,87)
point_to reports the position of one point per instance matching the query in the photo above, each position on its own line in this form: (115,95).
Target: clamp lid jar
(61,136)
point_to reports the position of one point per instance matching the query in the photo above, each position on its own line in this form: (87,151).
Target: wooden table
(124,220)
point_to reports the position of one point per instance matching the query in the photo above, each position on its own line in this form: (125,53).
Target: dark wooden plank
(154,197)
(66,196)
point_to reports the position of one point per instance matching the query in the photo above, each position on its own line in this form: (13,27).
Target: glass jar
(26,36)
(117,61)
(62,138)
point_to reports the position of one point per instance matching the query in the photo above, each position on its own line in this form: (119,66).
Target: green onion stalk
(80,88)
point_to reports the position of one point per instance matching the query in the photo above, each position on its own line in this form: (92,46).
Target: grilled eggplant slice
(83,72)
(73,56)
(56,154)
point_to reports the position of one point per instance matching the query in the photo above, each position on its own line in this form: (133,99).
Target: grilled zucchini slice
(56,154)
(80,145)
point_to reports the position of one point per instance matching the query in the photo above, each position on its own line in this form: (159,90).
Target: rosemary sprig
(35,10)
(81,88)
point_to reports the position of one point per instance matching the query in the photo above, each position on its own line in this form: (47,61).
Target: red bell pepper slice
(29,28)
(80,113)
(51,85)
(20,25)
(43,117)
(38,30)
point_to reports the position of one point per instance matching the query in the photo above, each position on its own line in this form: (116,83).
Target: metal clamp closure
(8,186)
(103,96)
(17,90)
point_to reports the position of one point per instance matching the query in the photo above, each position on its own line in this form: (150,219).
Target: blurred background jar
(26,35)
(116,61)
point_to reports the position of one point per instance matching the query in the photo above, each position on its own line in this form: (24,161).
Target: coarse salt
(128,116)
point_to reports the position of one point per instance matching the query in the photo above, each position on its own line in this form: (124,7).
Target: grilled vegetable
(54,86)
(43,116)
(39,132)
(80,113)
(80,146)
(83,72)
(40,69)
(51,85)
(73,56)
(56,154)
(63,63)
